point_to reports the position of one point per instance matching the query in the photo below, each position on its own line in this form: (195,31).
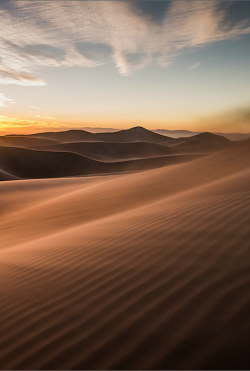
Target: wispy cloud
(194,66)
(4,100)
(18,77)
(45,117)
(91,33)
(36,108)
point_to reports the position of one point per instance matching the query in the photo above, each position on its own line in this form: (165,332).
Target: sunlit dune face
(128,271)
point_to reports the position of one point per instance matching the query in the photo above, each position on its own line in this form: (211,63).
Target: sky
(158,64)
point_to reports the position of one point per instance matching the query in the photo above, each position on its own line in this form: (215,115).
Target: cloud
(194,66)
(4,100)
(94,52)
(10,76)
(14,125)
(45,117)
(36,108)
(90,33)
(7,122)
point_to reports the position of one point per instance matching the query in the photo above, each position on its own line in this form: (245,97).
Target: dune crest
(78,152)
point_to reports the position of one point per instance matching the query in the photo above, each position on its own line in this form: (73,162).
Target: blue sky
(173,65)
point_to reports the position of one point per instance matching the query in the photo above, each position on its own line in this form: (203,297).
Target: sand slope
(140,271)
(105,151)
(25,141)
(29,163)
(6,176)
(136,134)
(200,143)
(78,152)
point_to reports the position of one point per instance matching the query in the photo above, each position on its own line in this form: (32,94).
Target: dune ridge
(34,164)
(142,188)
(135,134)
(4,175)
(111,151)
(200,143)
(81,153)
(24,141)
(132,271)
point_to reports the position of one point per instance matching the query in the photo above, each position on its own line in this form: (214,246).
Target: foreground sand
(141,271)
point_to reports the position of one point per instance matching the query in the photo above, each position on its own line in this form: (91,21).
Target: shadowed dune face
(138,271)
(65,136)
(136,134)
(200,143)
(105,151)
(25,141)
(6,176)
(33,164)
(78,152)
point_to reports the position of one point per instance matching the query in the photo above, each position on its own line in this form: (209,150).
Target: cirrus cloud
(40,109)
(88,34)
(194,66)
(45,117)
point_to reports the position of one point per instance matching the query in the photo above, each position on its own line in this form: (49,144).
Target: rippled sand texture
(137,271)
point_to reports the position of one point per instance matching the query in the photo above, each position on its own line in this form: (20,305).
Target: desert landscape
(125,250)
(124,185)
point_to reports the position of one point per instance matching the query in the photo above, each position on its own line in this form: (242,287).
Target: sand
(109,151)
(148,270)
(34,164)
(200,143)
(80,153)
(135,134)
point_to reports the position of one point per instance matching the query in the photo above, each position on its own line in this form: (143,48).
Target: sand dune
(29,164)
(6,176)
(134,143)
(142,188)
(136,134)
(25,163)
(200,143)
(140,271)
(75,153)
(24,141)
(187,133)
(106,151)
(65,136)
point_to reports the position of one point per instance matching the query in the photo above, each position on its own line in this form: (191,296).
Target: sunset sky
(158,64)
